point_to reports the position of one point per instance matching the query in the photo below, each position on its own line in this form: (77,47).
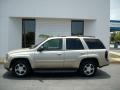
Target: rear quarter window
(94,44)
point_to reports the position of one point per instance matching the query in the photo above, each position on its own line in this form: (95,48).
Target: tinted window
(74,44)
(94,44)
(77,27)
(53,44)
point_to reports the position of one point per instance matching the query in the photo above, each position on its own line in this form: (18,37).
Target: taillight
(106,55)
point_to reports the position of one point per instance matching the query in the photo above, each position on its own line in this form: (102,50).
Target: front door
(52,55)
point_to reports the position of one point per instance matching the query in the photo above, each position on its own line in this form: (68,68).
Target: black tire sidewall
(22,62)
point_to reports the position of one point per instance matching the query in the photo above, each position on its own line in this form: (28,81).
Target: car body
(71,52)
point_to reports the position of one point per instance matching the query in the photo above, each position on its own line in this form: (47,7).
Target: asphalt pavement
(107,78)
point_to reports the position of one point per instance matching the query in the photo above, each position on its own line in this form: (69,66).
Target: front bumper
(6,65)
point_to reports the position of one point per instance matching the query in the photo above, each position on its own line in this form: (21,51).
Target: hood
(19,50)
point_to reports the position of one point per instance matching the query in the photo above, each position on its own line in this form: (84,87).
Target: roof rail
(83,36)
(74,36)
(88,36)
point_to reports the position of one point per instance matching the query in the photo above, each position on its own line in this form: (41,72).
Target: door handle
(82,53)
(59,53)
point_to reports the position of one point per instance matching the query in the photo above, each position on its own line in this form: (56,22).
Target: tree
(112,37)
(117,37)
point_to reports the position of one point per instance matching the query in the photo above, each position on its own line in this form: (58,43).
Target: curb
(115,60)
(115,53)
(1,61)
(114,57)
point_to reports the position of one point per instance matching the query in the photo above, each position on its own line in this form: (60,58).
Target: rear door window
(74,44)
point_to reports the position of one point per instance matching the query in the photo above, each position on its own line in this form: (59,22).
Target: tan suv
(83,54)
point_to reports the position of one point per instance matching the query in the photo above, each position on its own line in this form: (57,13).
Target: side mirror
(41,49)
(32,45)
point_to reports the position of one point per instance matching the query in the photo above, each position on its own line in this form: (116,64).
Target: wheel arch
(19,59)
(93,59)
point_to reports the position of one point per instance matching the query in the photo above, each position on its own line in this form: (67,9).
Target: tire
(21,68)
(88,68)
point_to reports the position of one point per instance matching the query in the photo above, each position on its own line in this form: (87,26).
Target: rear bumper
(106,63)
(103,65)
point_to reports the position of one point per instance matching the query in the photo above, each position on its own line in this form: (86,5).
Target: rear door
(73,53)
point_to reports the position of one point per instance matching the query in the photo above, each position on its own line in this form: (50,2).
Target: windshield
(34,46)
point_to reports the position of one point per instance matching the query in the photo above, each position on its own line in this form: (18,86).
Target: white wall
(52,27)
(10,34)
(89,27)
(76,9)
(98,29)
(3,35)
(98,10)
(15,34)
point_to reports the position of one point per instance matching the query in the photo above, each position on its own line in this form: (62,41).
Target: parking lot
(107,78)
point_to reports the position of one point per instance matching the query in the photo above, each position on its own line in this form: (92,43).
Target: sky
(115,9)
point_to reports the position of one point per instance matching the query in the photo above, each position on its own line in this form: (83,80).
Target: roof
(73,37)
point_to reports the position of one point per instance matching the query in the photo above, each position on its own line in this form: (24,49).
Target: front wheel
(88,68)
(20,68)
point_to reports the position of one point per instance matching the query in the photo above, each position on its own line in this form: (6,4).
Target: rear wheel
(21,68)
(88,68)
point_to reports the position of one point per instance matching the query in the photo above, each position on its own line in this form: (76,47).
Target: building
(114,25)
(23,21)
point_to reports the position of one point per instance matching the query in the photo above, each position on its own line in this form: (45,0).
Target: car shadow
(41,76)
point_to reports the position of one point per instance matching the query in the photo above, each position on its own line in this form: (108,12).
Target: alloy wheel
(20,69)
(89,69)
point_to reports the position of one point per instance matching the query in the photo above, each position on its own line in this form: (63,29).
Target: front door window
(53,44)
